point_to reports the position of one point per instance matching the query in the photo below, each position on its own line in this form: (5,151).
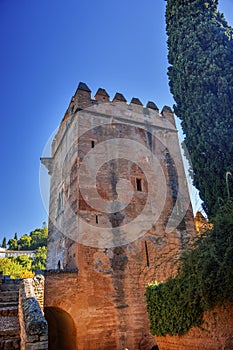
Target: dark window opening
(147,255)
(139,185)
(92,144)
(96,219)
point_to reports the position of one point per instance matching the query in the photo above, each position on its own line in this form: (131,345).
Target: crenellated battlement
(122,110)
(82,99)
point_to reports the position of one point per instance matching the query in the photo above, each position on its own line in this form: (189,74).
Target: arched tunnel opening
(61,328)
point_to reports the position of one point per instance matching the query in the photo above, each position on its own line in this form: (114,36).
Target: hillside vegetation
(24,266)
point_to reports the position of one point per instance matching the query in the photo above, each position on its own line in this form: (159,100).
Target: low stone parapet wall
(33,326)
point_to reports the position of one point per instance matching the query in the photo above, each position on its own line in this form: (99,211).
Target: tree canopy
(200,44)
(4,242)
(24,266)
(37,238)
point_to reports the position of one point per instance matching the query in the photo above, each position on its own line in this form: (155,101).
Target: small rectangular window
(96,219)
(92,144)
(139,184)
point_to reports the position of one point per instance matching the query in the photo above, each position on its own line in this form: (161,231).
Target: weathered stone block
(37,346)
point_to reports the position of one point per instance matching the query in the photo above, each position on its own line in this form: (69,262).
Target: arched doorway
(62,332)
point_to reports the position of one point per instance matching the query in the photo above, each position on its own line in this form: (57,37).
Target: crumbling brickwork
(33,326)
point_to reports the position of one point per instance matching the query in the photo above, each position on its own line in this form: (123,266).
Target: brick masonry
(217,333)
(102,306)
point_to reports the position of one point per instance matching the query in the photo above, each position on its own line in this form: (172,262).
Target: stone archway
(61,327)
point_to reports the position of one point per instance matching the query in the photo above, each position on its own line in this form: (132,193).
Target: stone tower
(119,215)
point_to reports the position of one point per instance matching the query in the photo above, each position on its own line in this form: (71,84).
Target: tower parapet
(82,96)
(101,96)
(82,99)
(119,98)
(134,110)
(168,113)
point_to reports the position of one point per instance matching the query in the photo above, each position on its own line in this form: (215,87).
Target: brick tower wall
(105,298)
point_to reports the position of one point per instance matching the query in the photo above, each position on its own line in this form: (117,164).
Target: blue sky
(47,47)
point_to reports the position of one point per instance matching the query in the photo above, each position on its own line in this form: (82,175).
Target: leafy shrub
(204,279)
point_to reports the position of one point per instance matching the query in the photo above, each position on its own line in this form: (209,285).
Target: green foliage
(24,266)
(204,279)
(25,261)
(12,244)
(37,238)
(173,307)
(200,44)
(39,262)
(24,243)
(13,268)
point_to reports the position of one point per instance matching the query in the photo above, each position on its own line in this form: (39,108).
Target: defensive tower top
(82,99)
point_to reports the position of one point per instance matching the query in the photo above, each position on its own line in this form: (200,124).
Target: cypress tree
(200,53)
(4,242)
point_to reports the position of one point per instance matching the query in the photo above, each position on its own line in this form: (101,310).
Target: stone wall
(38,287)
(216,334)
(33,326)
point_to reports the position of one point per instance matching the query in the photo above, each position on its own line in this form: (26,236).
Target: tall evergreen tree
(4,242)
(200,44)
